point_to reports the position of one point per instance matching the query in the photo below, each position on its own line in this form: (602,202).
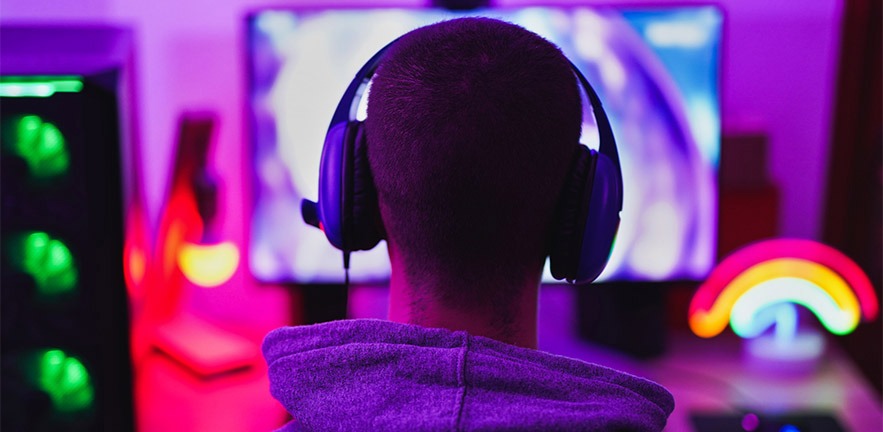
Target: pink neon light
(767,250)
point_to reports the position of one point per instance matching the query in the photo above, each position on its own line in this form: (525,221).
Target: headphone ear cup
(332,169)
(603,220)
(588,218)
(572,216)
(364,228)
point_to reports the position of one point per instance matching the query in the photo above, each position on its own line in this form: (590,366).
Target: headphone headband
(345,111)
(607,142)
(346,108)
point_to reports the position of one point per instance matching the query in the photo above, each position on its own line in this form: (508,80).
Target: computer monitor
(655,69)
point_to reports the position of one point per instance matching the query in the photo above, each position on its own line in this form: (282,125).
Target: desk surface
(707,375)
(713,375)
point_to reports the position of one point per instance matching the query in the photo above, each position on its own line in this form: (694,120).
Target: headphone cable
(346,270)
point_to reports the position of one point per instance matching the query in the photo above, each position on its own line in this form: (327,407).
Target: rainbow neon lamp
(759,286)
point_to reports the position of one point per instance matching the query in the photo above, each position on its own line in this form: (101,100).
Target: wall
(778,75)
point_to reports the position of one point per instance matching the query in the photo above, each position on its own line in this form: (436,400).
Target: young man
(472,127)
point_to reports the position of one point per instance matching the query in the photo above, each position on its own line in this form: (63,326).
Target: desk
(711,375)
(169,397)
(702,374)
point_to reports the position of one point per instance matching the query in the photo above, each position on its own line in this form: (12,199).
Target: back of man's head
(472,126)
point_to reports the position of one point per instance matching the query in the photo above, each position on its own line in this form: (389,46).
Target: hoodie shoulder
(545,391)
(371,374)
(367,375)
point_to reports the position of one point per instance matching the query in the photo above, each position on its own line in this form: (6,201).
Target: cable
(346,270)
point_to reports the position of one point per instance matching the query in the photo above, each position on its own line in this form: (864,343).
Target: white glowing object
(677,34)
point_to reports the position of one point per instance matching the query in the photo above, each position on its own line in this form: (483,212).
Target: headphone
(587,216)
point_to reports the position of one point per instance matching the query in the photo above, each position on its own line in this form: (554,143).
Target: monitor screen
(656,71)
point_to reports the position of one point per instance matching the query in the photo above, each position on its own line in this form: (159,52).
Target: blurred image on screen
(656,71)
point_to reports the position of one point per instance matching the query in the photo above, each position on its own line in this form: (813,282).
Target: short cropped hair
(472,126)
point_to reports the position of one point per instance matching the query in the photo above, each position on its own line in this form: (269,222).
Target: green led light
(42,146)
(47,260)
(39,86)
(66,381)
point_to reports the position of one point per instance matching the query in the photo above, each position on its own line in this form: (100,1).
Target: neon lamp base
(797,355)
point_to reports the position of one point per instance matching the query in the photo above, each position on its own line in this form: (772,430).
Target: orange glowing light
(137,265)
(208,265)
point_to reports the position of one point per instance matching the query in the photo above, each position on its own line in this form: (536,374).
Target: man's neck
(518,326)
